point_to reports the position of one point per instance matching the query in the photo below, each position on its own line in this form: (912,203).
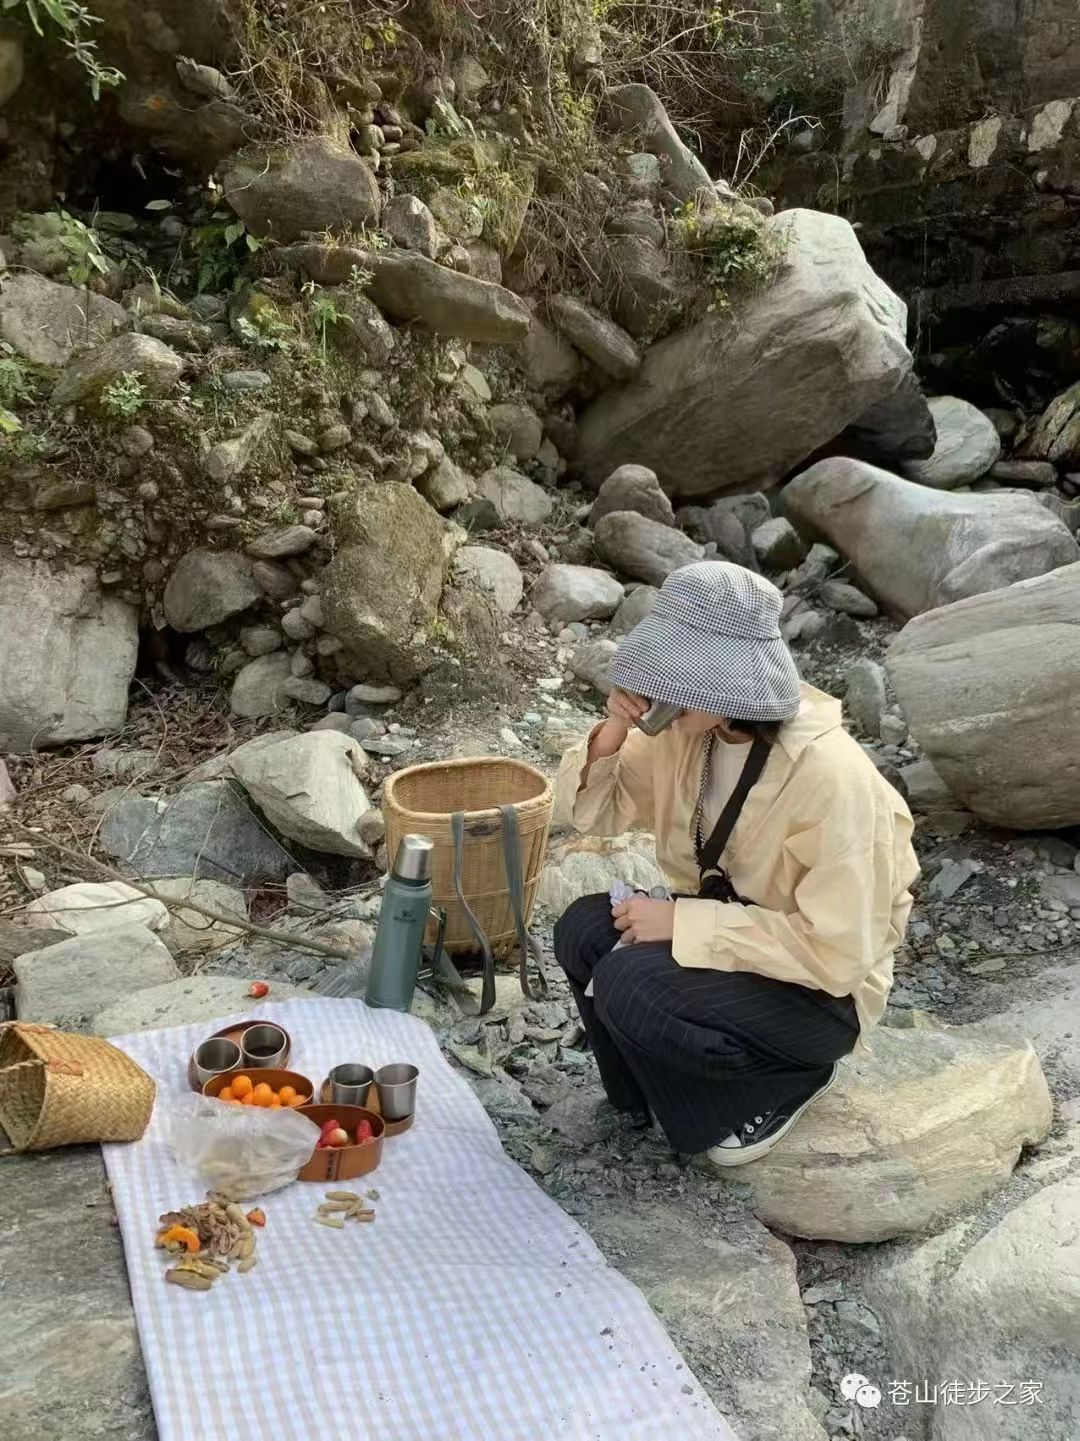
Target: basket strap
(528,943)
(446,969)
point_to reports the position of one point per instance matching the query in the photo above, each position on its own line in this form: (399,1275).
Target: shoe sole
(745,1154)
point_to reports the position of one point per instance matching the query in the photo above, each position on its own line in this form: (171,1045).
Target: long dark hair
(756,729)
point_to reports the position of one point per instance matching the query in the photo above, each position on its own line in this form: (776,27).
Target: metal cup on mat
(349,1085)
(213,1057)
(264,1045)
(396,1085)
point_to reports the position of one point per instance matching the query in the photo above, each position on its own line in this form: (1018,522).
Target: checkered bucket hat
(712,643)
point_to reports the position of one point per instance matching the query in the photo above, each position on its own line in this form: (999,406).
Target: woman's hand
(641,919)
(625,708)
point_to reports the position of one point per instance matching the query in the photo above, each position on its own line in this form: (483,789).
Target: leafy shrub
(73,22)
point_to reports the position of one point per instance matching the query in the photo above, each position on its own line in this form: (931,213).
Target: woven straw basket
(57,1089)
(422,800)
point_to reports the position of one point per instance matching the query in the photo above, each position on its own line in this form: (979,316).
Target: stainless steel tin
(413,860)
(396,1085)
(349,1085)
(213,1057)
(658,717)
(264,1045)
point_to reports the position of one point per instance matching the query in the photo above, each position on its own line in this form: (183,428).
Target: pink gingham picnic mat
(473,1309)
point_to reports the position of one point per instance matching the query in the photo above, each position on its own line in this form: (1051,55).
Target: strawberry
(258,989)
(328,1126)
(364,1132)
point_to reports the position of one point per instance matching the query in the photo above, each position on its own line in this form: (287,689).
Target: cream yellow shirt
(822,852)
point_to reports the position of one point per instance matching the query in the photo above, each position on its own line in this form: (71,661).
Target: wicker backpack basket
(424,798)
(57,1089)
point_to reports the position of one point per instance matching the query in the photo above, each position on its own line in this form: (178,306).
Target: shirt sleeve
(852,902)
(618,795)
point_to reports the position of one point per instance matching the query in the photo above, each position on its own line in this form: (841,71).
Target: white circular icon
(868,1395)
(852,1384)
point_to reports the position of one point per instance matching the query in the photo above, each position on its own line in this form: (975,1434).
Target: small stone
(307,691)
(865,696)
(893,730)
(510,739)
(777,544)
(245,380)
(136,441)
(296,625)
(301,444)
(301,664)
(847,599)
(260,639)
(388,747)
(335,437)
(360,695)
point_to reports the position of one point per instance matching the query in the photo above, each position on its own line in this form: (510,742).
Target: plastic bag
(241,1151)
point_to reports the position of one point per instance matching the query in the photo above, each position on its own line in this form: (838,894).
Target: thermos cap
(413,861)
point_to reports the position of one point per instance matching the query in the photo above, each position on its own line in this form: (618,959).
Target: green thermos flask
(403,919)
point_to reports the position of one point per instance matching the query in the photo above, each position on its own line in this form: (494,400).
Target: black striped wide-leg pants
(703,1050)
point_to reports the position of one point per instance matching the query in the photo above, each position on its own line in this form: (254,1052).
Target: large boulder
(494,571)
(637,110)
(66,985)
(931,1122)
(1056,435)
(87,907)
(189,932)
(633,610)
(312,184)
(309,787)
(566,593)
(722,407)
(633,487)
(207,830)
(967,446)
(993,1301)
(987,687)
(157,368)
(67,655)
(381,591)
(47,323)
(916,548)
(408,286)
(643,549)
(598,338)
(515,497)
(259,688)
(208,587)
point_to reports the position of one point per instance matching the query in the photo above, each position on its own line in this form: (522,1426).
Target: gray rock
(311,184)
(111,761)
(78,1367)
(993,1300)
(777,544)
(301,444)
(364,695)
(518,428)
(446,486)
(83,379)
(408,286)
(181,332)
(720,525)
(632,488)
(979,683)
(312,611)
(245,380)
(893,730)
(897,428)
(967,446)
(1056,436)
(12,66)
(643,549)
(585,865)
(228,459)
(363,334)
(865,696)
(260,639)
(296,625)
(598,338)
(67,984)
(67,655)
(410,224)
(334,438)
(591,662)
(182,1003)
(206,588)
(493,571)
(274,580)
(550,362)
(956,544)
(924,788)
(382,589)
(847,599)
(308,787)
(188,931)
(514,496)
(48,323)
(640,274)
(636,110)
(306,690)
(259,688)
(710,391)
(207,830)
(637,605)
(1031,474)
(848,1171)
(478,515)
(283,540)
(576,592)
(388,747)
(88,907)
(335,721)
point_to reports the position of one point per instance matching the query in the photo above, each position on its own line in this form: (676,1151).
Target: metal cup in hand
(349,1085)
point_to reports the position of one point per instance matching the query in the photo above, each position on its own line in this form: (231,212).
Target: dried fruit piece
(333,1208)
(258,989)
(199,1268)
(184,1235)
(337,1222)
(246,1246)
(342,1196)
(257,1217)
(188,1279)
(246,1264)
(363,1215)
(236,1213)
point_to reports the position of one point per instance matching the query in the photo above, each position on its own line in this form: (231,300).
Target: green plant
(14,383)
(222,246)
(324,314)
(264,330)
(124,397)
(83,245)
(74,22)
(739,249)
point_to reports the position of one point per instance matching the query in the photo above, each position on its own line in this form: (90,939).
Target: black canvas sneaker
(761,1133)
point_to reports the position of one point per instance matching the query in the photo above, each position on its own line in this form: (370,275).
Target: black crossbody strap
(708,855)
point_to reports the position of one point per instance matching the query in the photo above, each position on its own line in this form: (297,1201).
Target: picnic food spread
(208,1238)
(243,1091)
